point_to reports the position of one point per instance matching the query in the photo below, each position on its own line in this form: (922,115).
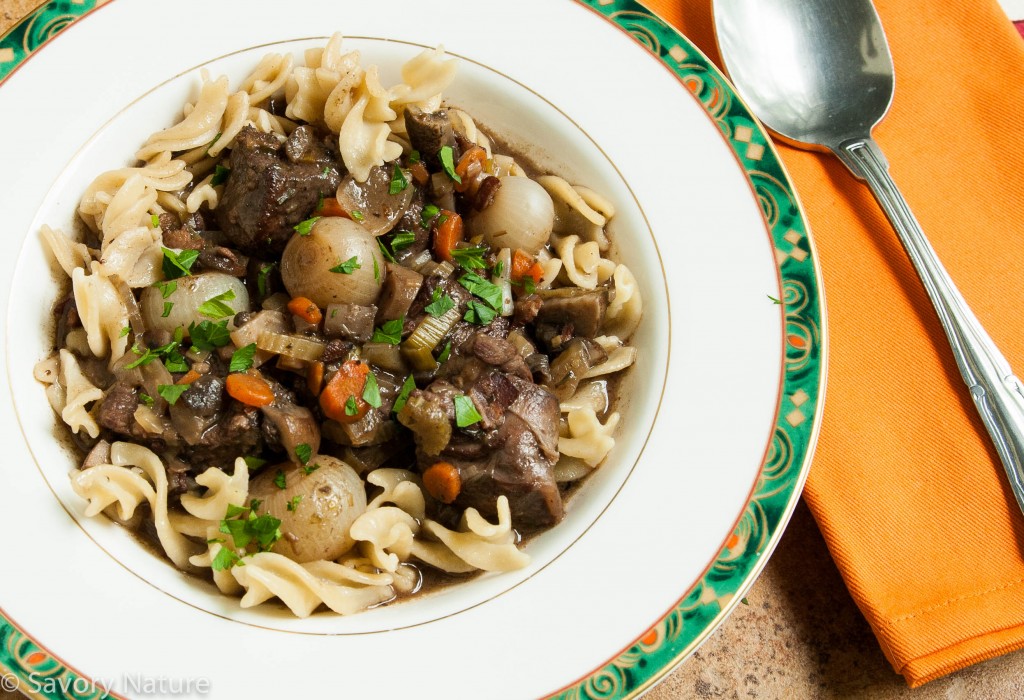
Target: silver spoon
(818,73)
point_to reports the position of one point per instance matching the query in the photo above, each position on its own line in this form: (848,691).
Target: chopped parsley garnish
(146,398)
(499,268)
(125,331)
(447,158)
(488,291)
(177,265)
(166,288)
(220,175)
(150,354)
(225,559)
(245,528)
(254,463)
(349,266)
(242,358)
(174,362)
(371,391)
(294,503)
(357,215)
(304,452)
(261,277)
(429,212)
(390,332)
(215,308)
(440,303)
(310,468)
(398,181)
(479,313)
(376,270)
(208,335)
(446,352)
(470,258)
(172,392)
(304,228)
(529,286)
(154,221)
(384,251)
(403,239)
(351,407)
(280,481)
(403,396)
(168,305)
(414,156)
(774,300)
(465,412)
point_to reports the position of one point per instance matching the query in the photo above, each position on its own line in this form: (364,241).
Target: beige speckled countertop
(799,635)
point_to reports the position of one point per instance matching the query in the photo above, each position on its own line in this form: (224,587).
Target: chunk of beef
(412,221)
(500,353)
(511,451)
(117,410)
(428,133)
(236,433)
(464,333)
(273,186)
(527,308)
(335,350)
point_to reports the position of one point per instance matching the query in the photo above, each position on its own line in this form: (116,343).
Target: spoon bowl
(816,72)
(819,74)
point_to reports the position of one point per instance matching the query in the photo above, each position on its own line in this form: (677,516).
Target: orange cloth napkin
(905,486)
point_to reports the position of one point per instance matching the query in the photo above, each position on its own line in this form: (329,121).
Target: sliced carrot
(420,174)
(306,310)
(189,377)
(442,481)
(471,163)
(447,234)
(342,398)
(249,389)
(315,377)
(331,207)
(525,265)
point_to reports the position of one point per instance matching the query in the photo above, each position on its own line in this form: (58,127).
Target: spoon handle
(997,393)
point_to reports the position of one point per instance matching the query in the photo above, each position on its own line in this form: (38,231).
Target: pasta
(588,439)
(118,482)
(78,393)
(102,311)
(324,335)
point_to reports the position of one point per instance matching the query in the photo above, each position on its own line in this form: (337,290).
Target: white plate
(719,415)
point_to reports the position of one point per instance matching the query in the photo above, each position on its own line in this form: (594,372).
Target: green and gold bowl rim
(744,553)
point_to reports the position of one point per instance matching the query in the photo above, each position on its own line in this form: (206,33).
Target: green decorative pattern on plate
(26,667)
(41,25)
(679,632)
